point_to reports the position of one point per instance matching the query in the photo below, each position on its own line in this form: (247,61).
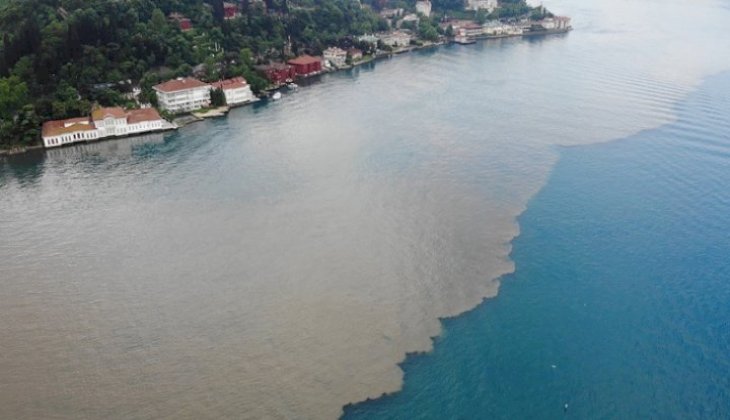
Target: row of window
(91,135)
(188,105)
(185,100)
(71,138)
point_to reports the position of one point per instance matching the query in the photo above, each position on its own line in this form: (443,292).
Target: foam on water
(281,262)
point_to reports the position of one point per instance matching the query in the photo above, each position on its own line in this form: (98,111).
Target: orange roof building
(234,83)
(72,130)
(103,123)
(236,90)
(136,116)
(103,113)
(182,95)
(180,84)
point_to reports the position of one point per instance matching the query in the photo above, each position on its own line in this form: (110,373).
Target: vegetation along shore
(75,71)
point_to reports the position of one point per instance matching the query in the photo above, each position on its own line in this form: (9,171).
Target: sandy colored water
(281,262)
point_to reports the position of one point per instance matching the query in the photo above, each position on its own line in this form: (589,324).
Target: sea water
(619,306)
(282,261)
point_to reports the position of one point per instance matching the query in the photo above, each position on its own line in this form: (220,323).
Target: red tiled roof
(71,125)
(304,60)
(145,114)
(101,113)
(179,84)
(234,83)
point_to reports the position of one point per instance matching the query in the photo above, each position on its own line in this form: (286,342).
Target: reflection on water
(280,262)
(125,147)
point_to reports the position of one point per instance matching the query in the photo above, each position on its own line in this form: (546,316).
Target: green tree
(13,95)
(158,21)
(217,97)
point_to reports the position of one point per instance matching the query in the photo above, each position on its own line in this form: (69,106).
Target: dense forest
(59,57)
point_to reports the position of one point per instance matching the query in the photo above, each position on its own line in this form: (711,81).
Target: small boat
(276,96)
(292,86)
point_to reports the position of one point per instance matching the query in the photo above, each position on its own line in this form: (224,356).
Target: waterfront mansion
(182,95)
(236,90)
(190,94)
(103,123)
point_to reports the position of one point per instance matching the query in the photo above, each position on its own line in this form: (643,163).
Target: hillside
(61,56)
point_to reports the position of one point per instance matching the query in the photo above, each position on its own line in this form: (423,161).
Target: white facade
(111,126)
(472,30)
(69,137)
(488,5)
(556,23)
(110,122)
(423,7)
(236,90)
(548,23)
(182,95)
(370,39)
(145,126)
(396,39)
(495,27)
(238,96)
(336,56)
(184,100)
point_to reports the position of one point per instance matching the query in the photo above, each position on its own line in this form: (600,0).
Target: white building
(182,95)
(472,30)
(145,120)
(561,23)
(103,123)
(109,121)
(488,5)
(237,91)
(336,56)
(60,132)
(368,38)
(495,27)
(396,39)
(423,7)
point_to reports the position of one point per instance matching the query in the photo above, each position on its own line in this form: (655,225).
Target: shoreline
(197,116)
(309,168)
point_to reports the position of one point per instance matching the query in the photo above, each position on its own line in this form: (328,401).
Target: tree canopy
(58,57)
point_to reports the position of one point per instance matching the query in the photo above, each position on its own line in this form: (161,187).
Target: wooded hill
(59,57)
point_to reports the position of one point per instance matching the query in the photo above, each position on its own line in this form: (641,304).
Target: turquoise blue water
(620,302)
(280,262)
